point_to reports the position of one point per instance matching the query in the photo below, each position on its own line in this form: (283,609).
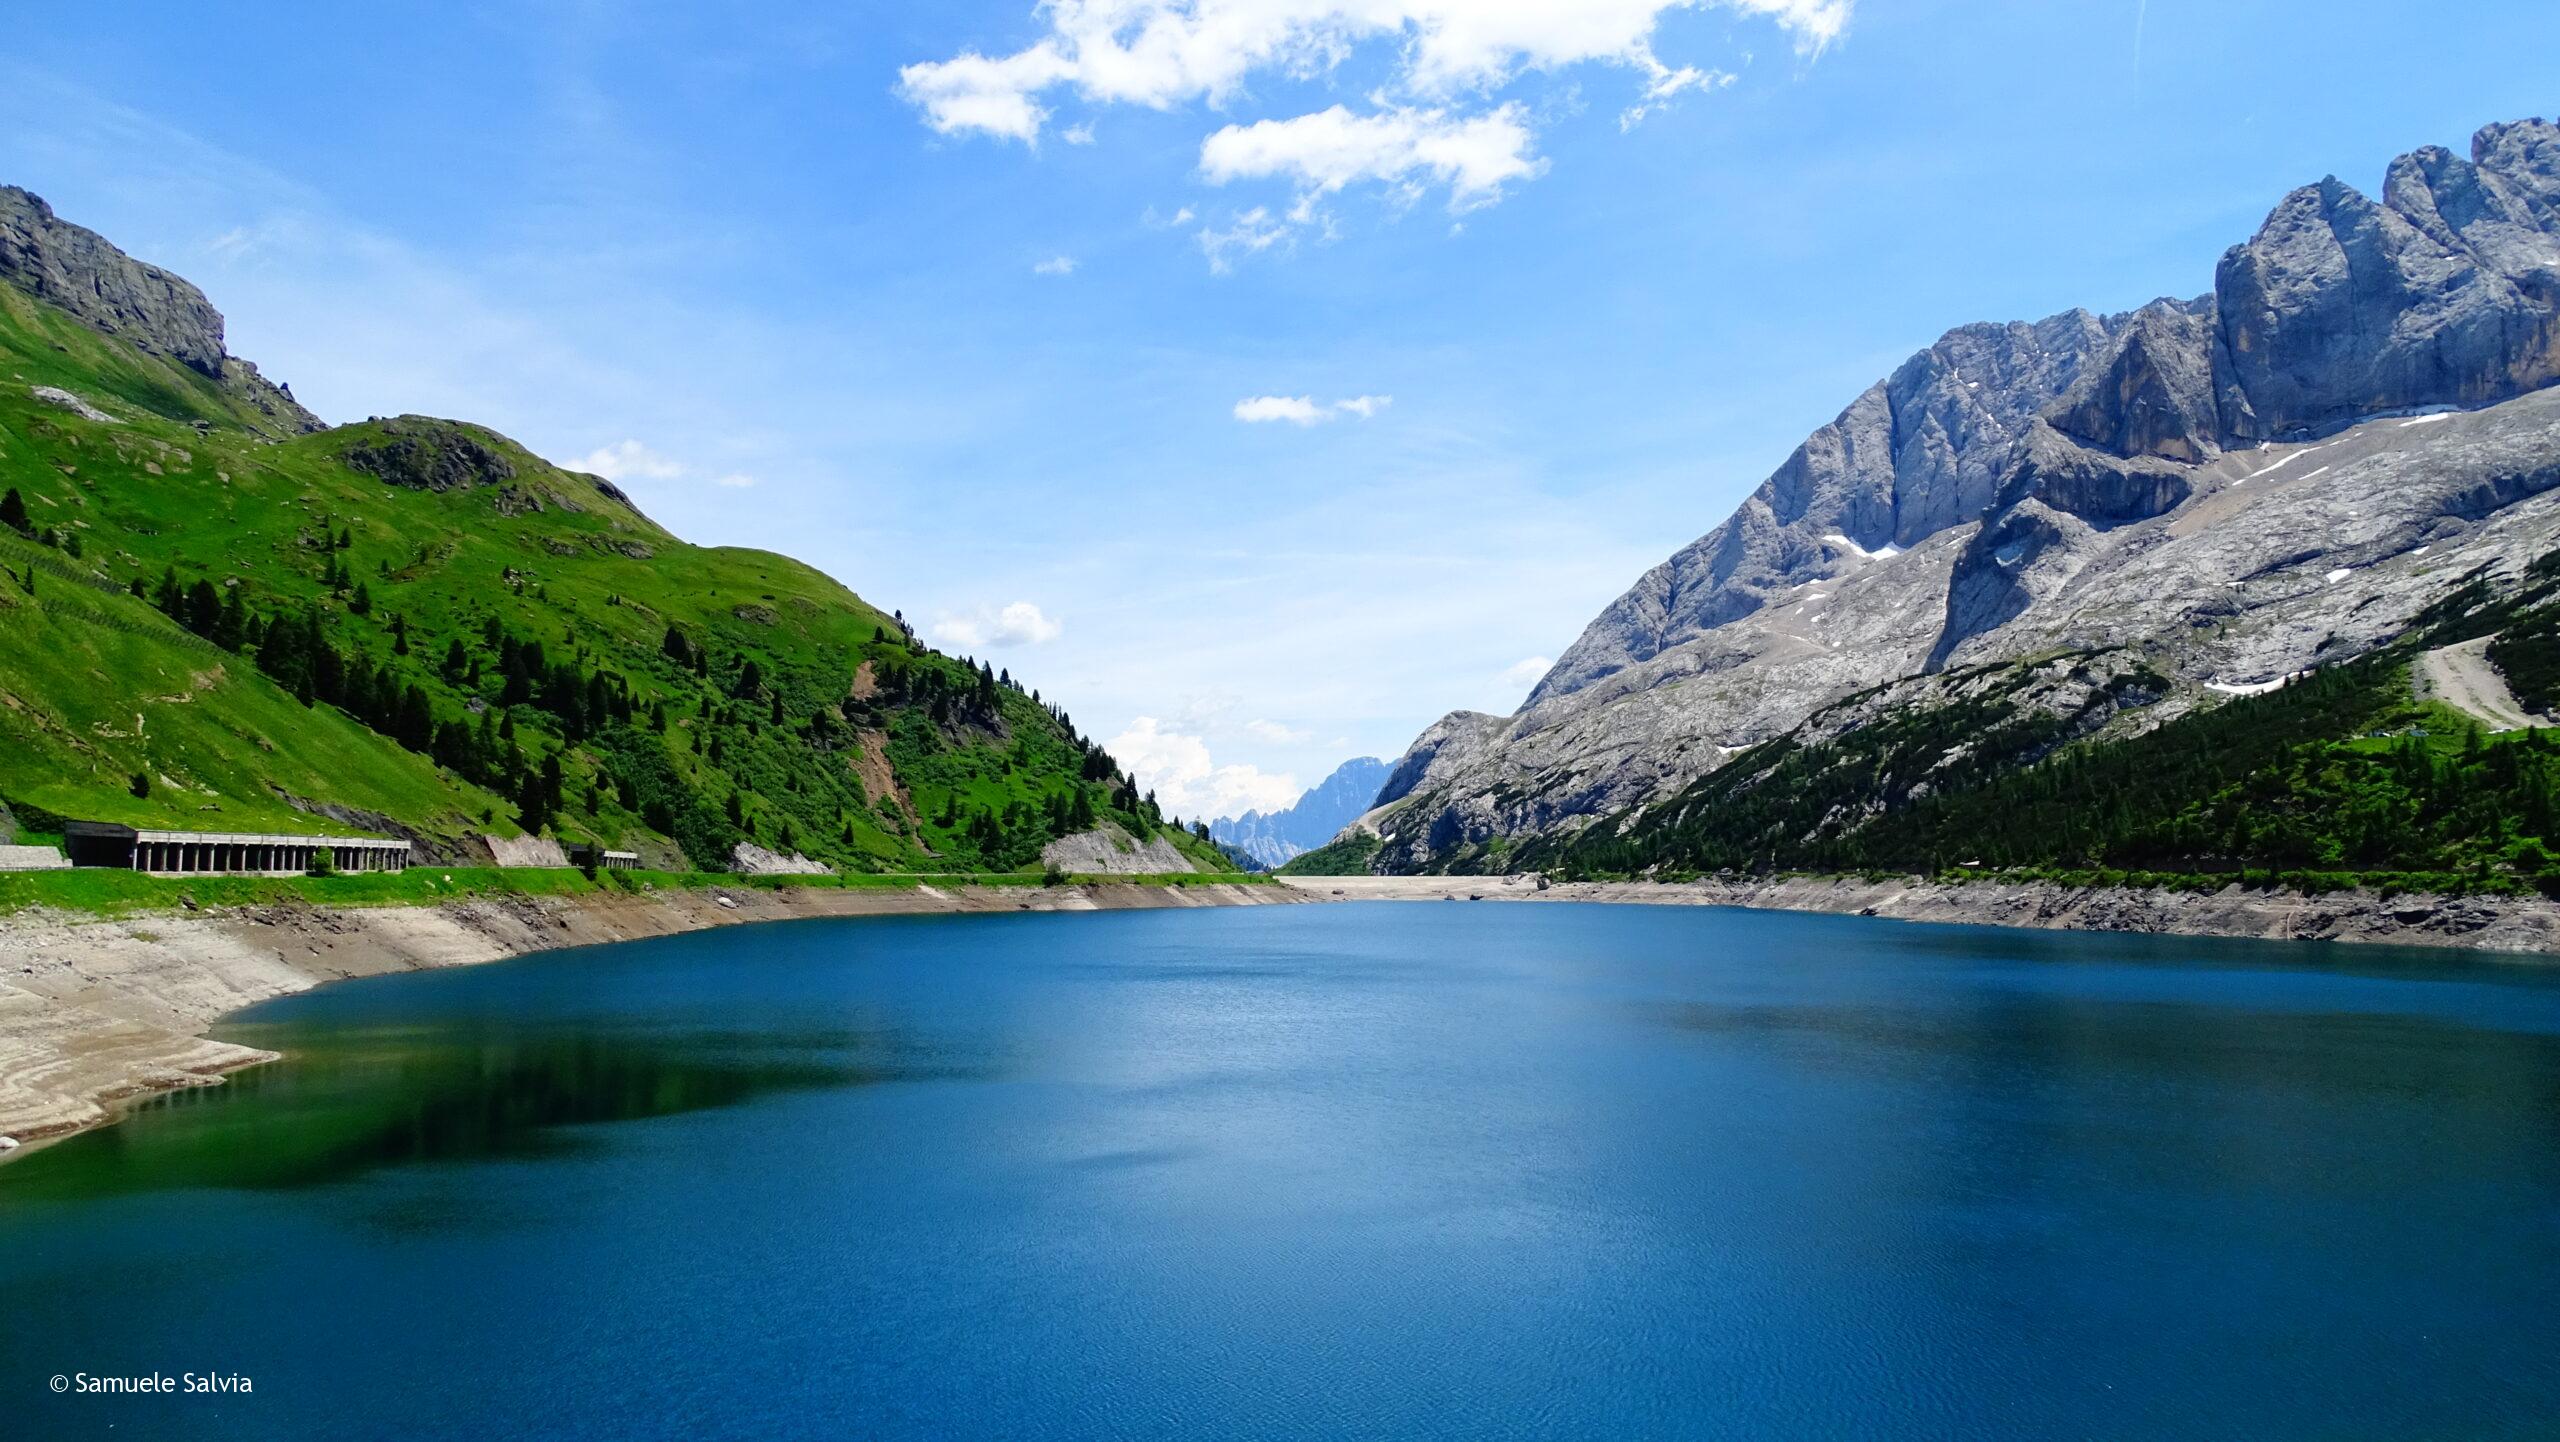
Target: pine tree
(231,625)
(13,513)
(204,608)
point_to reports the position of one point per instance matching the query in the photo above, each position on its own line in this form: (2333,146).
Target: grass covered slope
(417,625)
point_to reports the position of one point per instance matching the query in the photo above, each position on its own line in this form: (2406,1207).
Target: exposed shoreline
(2509,927)
(96,1013)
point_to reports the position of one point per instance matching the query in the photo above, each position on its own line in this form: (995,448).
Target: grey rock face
(2086,482)
(1919,452)
(2444,293)
(78,271)
(425,454)
(2162,391)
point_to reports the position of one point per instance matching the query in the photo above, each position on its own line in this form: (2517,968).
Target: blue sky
(1524,294)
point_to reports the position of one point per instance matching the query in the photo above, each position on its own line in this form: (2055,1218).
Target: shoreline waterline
(98,1014)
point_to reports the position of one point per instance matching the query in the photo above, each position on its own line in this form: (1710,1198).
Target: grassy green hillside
(416,624)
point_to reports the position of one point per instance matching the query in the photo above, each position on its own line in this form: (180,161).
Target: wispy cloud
(629,460)
(1306,410)
(1519,676)
(1055,265)
(1473,157)
(1278,734)
(1019,624)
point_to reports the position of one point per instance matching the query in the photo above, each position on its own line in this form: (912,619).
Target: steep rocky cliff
(79,272)
(2244,485)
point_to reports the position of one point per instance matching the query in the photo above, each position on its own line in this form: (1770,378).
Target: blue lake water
(1372,1170)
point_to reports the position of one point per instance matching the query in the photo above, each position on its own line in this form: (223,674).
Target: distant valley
(1281,836)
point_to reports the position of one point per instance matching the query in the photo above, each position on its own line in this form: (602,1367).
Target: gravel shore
(2523,928)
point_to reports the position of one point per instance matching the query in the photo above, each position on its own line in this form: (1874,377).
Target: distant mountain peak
(1315,819)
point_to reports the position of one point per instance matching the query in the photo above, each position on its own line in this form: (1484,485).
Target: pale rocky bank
(2519,928)
(95,1013)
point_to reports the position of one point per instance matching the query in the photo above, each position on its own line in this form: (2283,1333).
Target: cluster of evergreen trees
(295,650)
(2338,771)
(944,723)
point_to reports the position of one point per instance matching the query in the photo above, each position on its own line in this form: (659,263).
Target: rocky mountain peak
(79,272)
(1998,480)
(2161,393)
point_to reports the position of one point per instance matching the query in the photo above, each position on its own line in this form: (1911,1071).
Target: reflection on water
(345,1103)
(1339,1171)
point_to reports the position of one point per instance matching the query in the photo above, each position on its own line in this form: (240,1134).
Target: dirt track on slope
(2461,677)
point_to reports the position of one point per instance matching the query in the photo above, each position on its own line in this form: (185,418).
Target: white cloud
(1667,84)
(1306,410)
(1296,410)
(1277,734)
(1430,123)
(992,96)
(628,460)
(1188,782)
(1519,676)
(1253,232)
(1813,23)
(1019,624)
(1164,53)
(631,460)
(1056,265)
(1473,156)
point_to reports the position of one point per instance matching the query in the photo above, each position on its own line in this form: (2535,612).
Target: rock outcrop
(79,271)
(1109,850)
(422,453)
(2247,484)
(526,851)
(753,860)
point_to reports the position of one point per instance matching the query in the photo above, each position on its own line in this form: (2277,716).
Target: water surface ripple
(1374,1170)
